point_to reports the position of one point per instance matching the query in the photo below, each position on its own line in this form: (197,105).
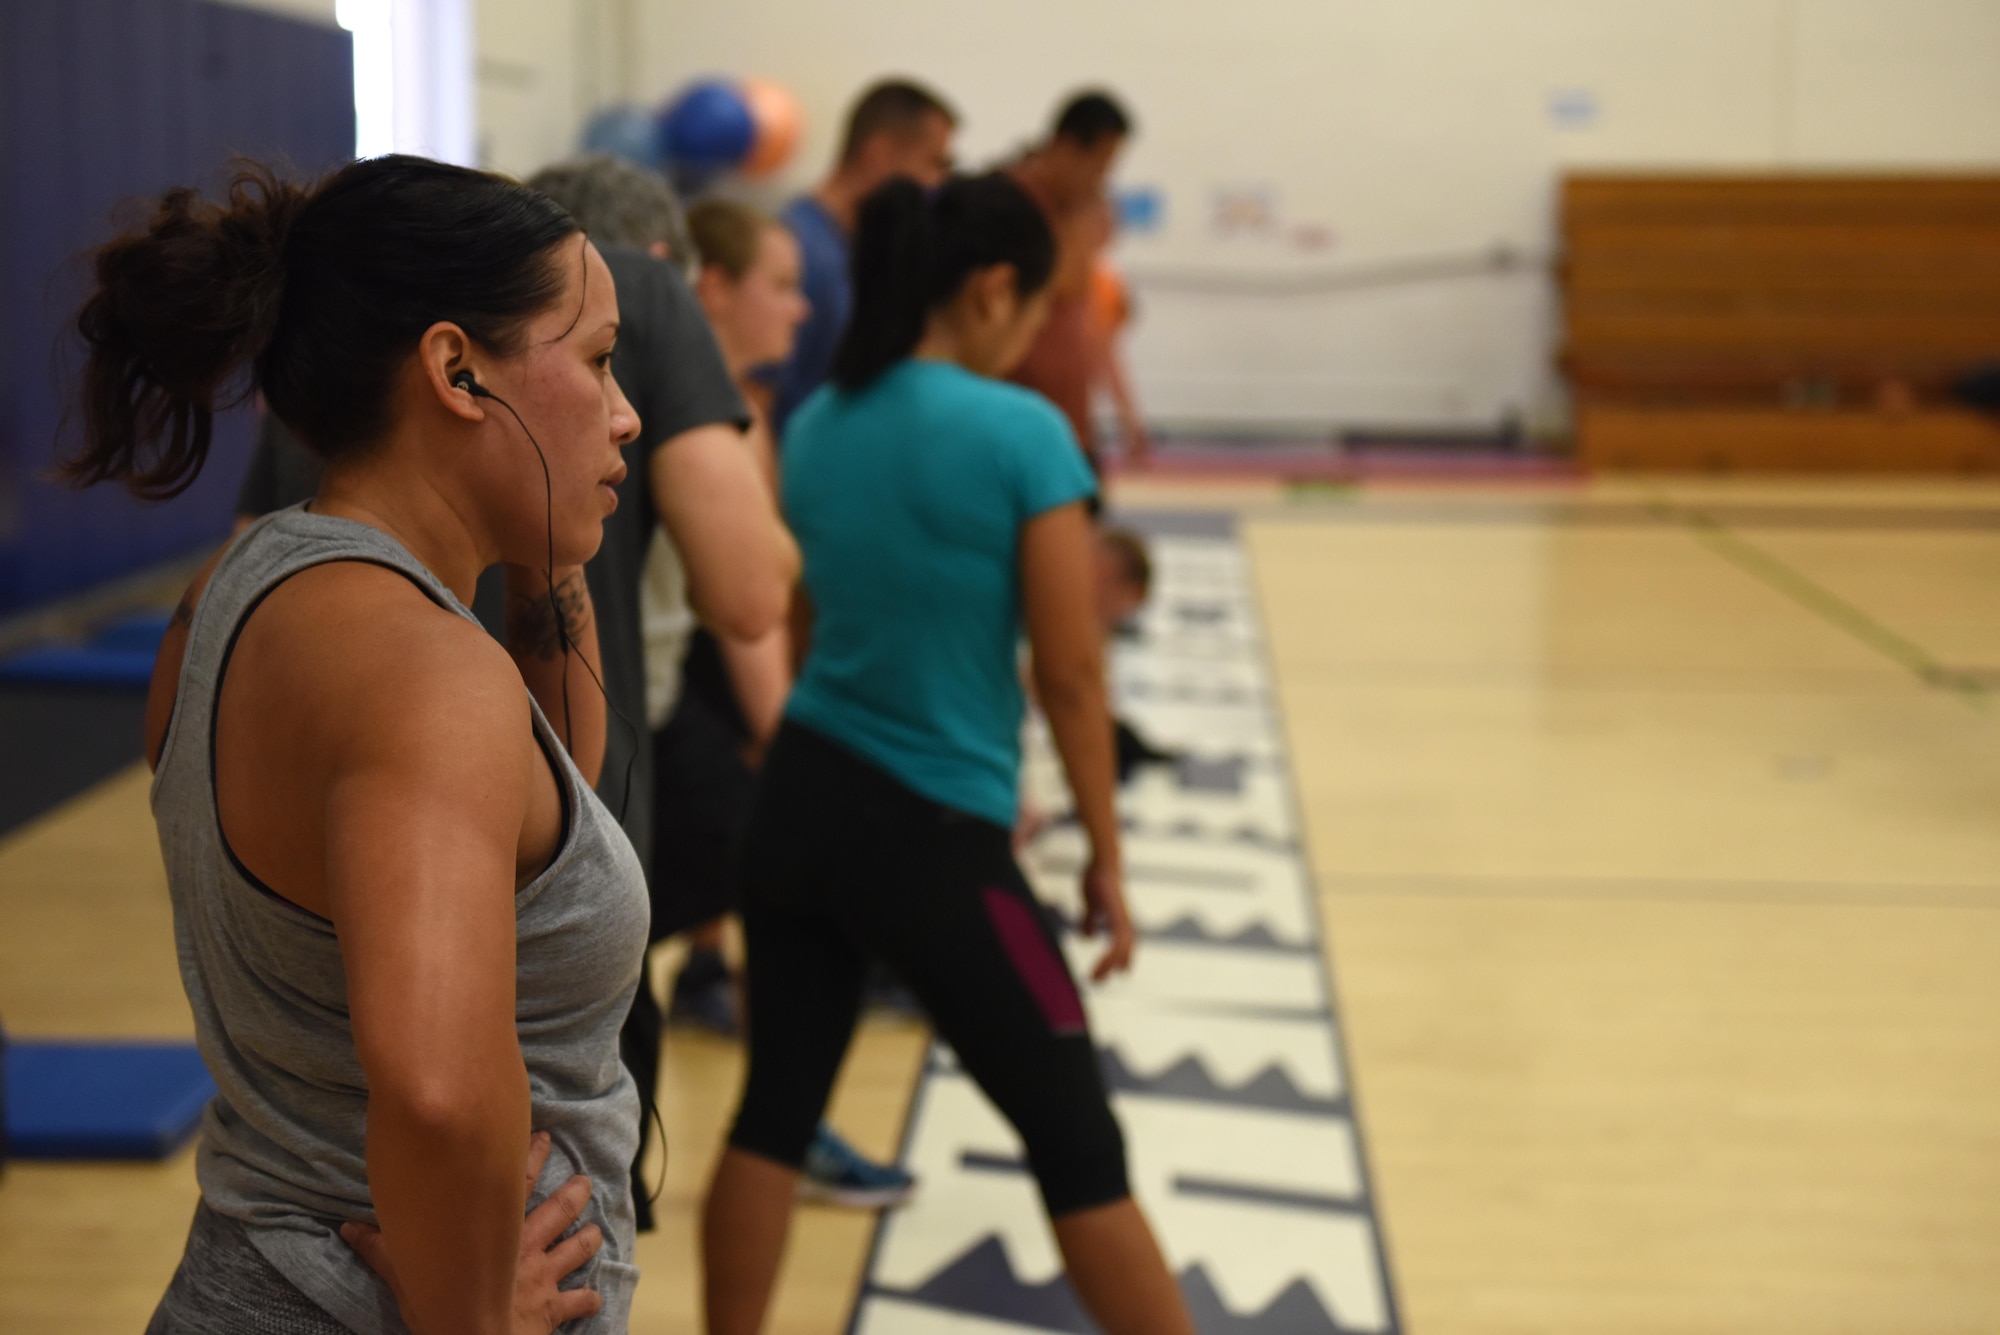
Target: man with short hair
(897,128)
(1066,175)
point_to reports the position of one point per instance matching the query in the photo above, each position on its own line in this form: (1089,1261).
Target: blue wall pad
(104,102)
(119,656)
(1221,1049)
(103,1100)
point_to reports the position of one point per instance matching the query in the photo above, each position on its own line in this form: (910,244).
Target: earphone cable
(562,623)
(651,1103)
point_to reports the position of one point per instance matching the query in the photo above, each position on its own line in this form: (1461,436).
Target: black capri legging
(842,863)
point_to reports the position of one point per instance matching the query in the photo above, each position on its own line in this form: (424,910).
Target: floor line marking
(1775,573)
(1252,1195)
(1663,890)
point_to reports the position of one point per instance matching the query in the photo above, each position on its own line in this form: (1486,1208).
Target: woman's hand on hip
(547,1257)
(1104,913)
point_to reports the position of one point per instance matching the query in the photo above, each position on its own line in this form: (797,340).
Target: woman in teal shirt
(940,512)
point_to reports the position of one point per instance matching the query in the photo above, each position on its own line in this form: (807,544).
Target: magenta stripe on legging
(1036,961)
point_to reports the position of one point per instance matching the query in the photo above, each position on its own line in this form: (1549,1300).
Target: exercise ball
(707,126)
(775,113)
(623,132)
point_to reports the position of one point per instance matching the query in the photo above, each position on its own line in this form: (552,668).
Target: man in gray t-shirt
(669,366)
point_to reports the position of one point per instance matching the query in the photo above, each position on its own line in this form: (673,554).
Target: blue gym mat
(91,1100)
(141,631)
(120,654)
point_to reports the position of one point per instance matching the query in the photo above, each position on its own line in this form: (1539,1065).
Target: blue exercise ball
(624,132)
(708,126)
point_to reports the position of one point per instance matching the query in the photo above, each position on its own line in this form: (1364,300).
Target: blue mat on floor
(139,631)
(68,665)
(102,1100)
(120,655)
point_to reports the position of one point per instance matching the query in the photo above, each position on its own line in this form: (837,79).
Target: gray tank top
(281,1145)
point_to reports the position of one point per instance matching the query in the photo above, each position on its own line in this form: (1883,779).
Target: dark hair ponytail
(913,252)
(318,293)
(178,309)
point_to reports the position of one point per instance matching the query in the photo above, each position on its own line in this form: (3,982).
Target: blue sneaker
(835,1173)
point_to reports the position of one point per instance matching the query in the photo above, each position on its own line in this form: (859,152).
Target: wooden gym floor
(1657,827)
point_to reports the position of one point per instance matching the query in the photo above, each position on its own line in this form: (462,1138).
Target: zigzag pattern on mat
(969,1285)
(1190,1079)
(1257,936)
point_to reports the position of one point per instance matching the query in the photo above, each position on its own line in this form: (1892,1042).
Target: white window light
(412,77)
(373,24)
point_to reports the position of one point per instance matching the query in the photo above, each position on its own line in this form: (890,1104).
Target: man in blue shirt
(897,129)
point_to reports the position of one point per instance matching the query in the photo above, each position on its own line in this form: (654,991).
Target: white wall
(1406,128)
(542,67)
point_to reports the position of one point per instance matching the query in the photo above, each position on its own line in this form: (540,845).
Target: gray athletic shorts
(225,1287)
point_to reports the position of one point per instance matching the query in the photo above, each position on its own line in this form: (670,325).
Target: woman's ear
(712,288)
(443,353)
(999,293)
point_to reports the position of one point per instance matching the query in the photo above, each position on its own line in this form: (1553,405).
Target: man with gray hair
(623,205)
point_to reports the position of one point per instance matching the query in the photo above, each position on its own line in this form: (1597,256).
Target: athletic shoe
(837,1174)
(1133,750)
(704,996)
(885,995)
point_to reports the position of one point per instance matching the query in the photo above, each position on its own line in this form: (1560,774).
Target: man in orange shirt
(1066,176)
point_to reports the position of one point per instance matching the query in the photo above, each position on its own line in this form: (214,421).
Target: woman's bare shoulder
(355,643)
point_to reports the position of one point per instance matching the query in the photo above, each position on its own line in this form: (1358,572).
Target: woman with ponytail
(940,512)
(407,928)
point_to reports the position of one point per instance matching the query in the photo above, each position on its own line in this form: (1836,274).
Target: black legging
(840,863)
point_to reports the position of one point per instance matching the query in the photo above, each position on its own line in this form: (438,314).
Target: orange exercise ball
(775,112)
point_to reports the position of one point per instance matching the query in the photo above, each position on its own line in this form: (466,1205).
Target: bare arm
(410,800)
(425,804)
(761,672)
(718,508)
(799,629)
(761,669)
(565,685)
(1131,426)
(1068,654)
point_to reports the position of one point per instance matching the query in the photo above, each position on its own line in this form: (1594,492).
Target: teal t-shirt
(907,499)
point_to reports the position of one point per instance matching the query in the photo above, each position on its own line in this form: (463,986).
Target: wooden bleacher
(1791,323)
